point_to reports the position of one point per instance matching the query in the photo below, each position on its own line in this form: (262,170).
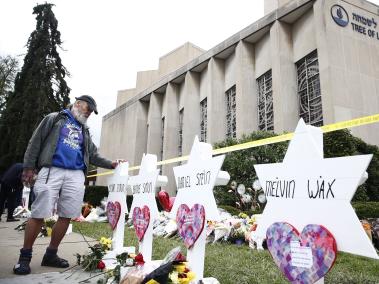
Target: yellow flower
(191,275)
(180,268)
(49,230)
(243,215)
(184,281)
(109,272)
(152,281)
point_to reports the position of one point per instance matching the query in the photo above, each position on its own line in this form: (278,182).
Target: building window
(265,103)
(162,137)
(231,113)
(308,88)
(180,145)
(203,120)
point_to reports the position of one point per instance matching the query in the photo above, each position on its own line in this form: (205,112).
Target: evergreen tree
(40,88)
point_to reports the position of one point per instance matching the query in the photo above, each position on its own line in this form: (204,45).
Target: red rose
(139,259)
(101,265)
(180,258)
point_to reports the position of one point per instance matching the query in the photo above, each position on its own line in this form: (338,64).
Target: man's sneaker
(23,266)
(54,261)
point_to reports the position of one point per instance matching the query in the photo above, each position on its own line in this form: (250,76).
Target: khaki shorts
(64,188)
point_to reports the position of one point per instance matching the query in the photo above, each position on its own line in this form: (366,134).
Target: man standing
(11,187)
(61,149)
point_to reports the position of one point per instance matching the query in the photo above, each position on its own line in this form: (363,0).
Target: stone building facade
(313,59)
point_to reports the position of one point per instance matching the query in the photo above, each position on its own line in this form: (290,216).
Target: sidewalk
(10,243)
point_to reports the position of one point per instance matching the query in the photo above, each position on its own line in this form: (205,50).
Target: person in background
(60,150)
(11,188)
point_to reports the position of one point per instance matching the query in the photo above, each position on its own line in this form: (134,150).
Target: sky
(105,43)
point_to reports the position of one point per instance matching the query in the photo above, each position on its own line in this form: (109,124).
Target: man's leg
(68,206)
(51,258)
(59,231)
(3,197)
(46,196)
(12,205)
(32,229)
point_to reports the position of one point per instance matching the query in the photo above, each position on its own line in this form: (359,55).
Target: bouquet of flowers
(173,270)
(93,260)
(181,274)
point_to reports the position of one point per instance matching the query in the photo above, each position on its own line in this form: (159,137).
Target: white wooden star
(143,185)
(117,188)
(308,189)
(196,179)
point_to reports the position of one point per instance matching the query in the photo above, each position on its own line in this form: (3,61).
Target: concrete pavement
(11,241)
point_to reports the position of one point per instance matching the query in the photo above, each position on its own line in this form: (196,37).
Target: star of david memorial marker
(144,207)
(311,193)
(116,210)
(194,203)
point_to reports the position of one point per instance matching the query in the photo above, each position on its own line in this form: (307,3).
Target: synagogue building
(314,59)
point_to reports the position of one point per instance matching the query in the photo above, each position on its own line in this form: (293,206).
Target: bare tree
(8,70)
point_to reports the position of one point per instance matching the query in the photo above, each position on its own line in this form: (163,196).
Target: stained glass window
(162,136)
(231,113)
(180,144)
(203,120)
(265,102)
(308,88)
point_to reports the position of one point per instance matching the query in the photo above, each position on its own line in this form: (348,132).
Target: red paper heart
(113,213)
(165,200)
(141,220)
(305,258)
(190,223)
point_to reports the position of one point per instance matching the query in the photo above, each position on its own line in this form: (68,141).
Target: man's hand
(27,177)
(115,163)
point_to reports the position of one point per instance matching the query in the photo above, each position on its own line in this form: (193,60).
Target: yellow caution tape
(266,141)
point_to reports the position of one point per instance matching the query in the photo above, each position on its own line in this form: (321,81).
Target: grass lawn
(239,264)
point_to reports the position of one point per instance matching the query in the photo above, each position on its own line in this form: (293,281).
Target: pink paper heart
(190,223)
(141,220)
(113,213)
(316,251)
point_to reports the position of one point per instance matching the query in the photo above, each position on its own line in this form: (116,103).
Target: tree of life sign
(144,207)
(309,189)
(116,210)
(195,203)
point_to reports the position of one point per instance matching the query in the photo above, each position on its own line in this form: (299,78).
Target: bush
(223,197)
(240,164)
(235,211)
(342,143)
(232,210)
(366,210)
(94,194)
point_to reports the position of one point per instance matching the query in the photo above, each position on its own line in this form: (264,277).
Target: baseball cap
(91,102)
